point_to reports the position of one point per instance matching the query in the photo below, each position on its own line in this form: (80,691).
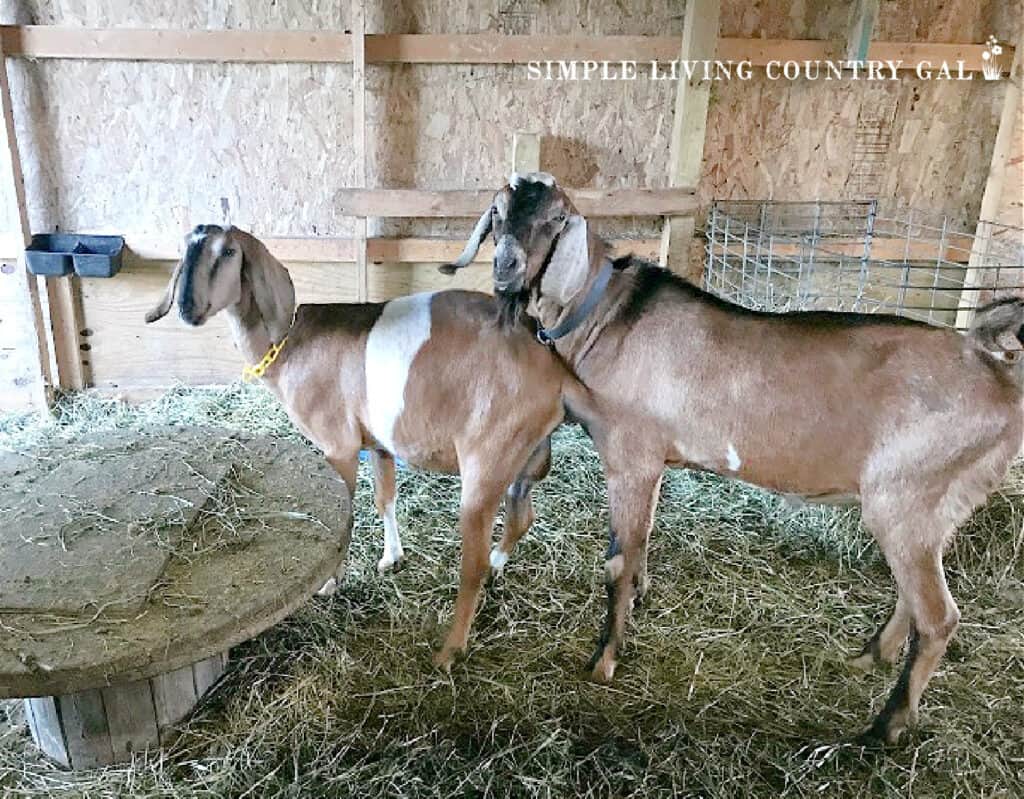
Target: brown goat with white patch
(430,378)
(917,423)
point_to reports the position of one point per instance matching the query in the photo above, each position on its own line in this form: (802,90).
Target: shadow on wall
(571,161)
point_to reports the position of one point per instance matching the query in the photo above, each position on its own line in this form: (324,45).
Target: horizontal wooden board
(115,44)
(285,46)
(590,202)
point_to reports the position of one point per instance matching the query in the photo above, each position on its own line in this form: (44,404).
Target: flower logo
(990,59)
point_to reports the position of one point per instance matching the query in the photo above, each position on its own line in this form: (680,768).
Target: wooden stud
(47,41)
(64,295)
(863,14)
(27,289)
(525,152)
(686,150)
(358,25)
(1001,156)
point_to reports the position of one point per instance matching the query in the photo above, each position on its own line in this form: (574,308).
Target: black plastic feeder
(57,254)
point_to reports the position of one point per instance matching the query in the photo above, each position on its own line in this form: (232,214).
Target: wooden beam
(122,44)
(428,251)
(358,25)
(25,290)
(1002,153)
(427,203)
(306,250)
(863,14)
(45,41)
(686,148)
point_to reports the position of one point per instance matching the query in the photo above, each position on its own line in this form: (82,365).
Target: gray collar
(549,335)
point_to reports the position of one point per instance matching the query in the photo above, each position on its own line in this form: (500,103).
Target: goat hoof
(329,588)
(384,565)
(604,670)
(444,657)
(864,662)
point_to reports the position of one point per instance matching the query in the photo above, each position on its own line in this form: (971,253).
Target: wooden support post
(863,14)
(525,152)
(686,153)
(64,295)
(359,140)
(23,289)
(1002,154)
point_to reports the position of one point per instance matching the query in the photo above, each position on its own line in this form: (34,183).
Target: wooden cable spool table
(129,565)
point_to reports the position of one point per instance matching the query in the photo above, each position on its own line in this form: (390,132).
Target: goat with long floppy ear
(162,307)
(483,227)
(569,264)
(272,289)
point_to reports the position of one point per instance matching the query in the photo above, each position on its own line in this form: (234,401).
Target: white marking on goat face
(733,458)
(402,329)
(531,177)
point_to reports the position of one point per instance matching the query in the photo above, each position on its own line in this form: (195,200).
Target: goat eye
(228,252)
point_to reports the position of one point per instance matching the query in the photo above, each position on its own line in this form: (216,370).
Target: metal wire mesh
(856,256)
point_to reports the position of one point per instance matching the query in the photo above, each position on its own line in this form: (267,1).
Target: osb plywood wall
(152,149)
(926,144)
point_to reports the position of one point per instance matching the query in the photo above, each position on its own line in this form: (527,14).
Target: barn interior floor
(734,681)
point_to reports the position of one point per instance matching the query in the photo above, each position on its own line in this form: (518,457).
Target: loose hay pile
(734,682)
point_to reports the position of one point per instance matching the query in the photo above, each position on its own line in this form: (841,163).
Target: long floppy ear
(483,227)
(272,287)
(569,263)
(160,311)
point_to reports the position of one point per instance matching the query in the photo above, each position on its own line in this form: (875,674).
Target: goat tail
(998,328)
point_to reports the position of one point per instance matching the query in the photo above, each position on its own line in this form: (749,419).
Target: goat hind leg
(346,465)
(384,499)
(519,505)
(632,498)
(935,618)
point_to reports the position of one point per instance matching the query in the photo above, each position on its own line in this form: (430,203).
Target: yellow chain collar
(250,373)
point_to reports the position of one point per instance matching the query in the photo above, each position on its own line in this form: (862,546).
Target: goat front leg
(384,498)
(885,645)
(479,506)
(347,466)
(519,505)
(632,499)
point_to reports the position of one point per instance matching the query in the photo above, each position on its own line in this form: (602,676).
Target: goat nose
(508,257)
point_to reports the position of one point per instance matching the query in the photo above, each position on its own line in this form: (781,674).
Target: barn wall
(152,149)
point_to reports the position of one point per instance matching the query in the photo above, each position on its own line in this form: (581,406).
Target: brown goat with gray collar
(430,378)
(917,423)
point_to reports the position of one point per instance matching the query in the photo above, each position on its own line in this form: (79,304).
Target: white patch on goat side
(392,541)
(531,177)
(498,559)
(391,346)
(733,458)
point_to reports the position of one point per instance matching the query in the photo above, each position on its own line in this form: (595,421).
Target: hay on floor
(733,684)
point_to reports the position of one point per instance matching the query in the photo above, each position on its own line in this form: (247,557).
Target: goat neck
(249,330)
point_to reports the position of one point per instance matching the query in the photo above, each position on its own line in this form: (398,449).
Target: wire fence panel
(859,256)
